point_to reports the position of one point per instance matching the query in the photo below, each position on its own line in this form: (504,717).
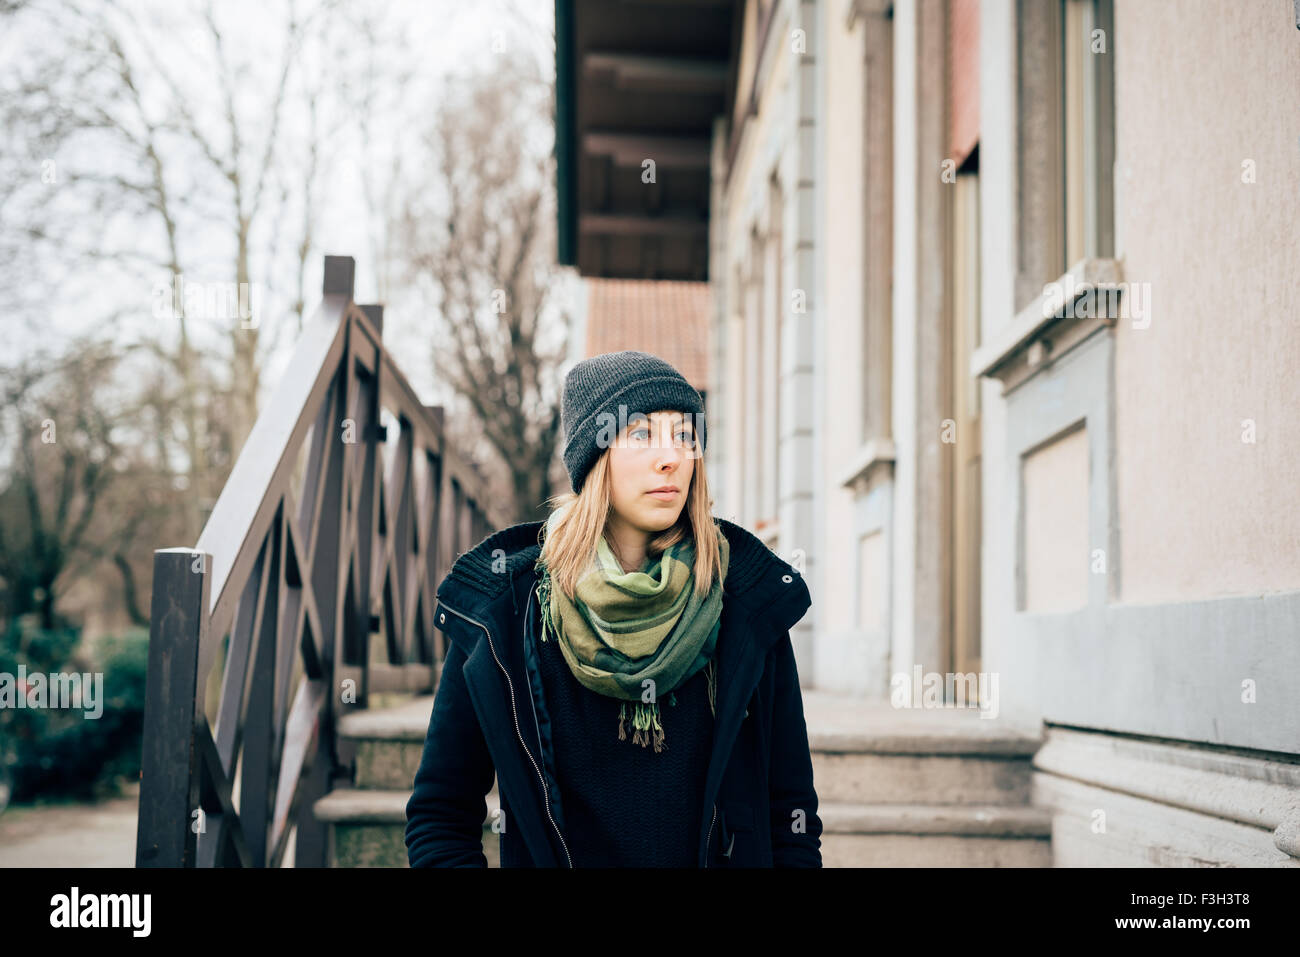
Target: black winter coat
(760,807)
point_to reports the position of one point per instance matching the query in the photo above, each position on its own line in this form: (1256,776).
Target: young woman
(623,669)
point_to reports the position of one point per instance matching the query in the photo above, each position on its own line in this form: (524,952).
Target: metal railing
(331,528)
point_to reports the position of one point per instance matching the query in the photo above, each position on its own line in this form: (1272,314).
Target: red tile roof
(669,319)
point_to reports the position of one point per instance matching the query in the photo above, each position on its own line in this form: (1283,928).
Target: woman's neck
(629,544)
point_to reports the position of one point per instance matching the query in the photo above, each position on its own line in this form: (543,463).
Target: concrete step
(368,827)
(389,743)
(896,787)
(867,752)
(946,835)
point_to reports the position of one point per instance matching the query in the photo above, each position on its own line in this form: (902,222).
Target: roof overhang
(639,84)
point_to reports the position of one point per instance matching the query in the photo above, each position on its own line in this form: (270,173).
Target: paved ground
(70,835)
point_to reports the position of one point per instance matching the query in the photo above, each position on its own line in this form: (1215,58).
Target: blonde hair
(571,546)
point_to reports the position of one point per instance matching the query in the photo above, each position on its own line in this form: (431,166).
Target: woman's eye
(685,438)
(639,432)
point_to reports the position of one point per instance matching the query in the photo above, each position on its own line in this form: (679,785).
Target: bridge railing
(343,512)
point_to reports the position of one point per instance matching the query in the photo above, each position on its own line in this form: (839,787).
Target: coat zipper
(515,714)
(708,837)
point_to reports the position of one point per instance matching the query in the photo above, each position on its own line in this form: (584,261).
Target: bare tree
(479,238)
(110,139)
(73,492)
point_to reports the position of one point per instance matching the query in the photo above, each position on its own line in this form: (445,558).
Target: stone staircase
(922,788)
(368,820)
(896,788)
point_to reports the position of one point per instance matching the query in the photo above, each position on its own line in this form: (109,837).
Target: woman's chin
(658,516)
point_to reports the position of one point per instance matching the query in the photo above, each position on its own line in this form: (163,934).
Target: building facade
(1004,360)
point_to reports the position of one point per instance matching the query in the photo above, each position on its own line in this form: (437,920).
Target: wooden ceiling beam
(657,74)
(632,149)
(615,224)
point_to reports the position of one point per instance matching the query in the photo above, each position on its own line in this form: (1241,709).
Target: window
(736,357)
(878,224)
(755,427)
(1073,38)
(1066,135)
(963,332)
(773,314)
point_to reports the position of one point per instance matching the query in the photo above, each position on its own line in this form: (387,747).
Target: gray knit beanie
(635,381)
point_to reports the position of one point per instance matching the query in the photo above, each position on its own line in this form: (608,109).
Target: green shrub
(60,752)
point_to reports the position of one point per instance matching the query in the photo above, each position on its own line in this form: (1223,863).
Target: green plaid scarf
(622,628)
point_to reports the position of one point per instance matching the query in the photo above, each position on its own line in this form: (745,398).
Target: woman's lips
(664,496)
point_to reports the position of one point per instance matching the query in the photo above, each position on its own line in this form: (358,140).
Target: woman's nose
(668,458)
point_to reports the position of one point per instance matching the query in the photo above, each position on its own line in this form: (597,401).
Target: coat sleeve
(796,827)
(446,811)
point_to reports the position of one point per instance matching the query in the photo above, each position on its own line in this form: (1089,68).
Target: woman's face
(650,455)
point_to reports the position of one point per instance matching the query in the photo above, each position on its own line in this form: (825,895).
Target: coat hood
(756,576)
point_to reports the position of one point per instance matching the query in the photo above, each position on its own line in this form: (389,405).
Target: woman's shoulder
(486,571)
(498,556)
(757,575)
(752,553)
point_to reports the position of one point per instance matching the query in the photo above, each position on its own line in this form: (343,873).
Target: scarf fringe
(645,721)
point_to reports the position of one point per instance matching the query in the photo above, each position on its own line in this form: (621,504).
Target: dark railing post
(367,517)
(433,570)
(326,567)
(466,522)
(340,272)
(167,827)
(446,515)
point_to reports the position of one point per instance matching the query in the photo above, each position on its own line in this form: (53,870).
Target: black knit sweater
(625,805)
